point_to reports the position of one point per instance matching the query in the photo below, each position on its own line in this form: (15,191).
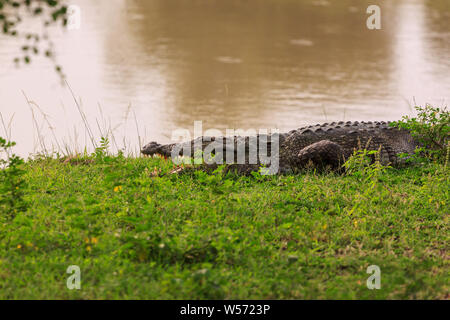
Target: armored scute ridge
(322,145)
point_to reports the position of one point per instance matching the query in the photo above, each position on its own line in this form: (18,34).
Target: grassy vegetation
(138,233)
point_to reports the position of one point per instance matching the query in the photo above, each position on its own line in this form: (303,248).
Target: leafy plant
(431,127)
(12,183)
(102,151)
(364,163)
(217,179)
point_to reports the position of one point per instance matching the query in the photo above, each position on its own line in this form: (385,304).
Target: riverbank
(137,232)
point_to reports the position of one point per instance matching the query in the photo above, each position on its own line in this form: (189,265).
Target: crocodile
(326,145)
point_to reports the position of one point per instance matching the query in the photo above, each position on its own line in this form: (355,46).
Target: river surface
(143,68)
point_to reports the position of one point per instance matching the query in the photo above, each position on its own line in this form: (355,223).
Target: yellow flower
(94,240)
(117,188)
(89,249)
(19,246)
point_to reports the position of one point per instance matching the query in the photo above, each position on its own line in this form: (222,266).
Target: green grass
(137,234)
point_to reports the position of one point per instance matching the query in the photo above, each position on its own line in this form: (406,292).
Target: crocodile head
(151,148)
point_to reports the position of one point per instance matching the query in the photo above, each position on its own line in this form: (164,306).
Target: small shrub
(12,183)
(365,164)
(431,127)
